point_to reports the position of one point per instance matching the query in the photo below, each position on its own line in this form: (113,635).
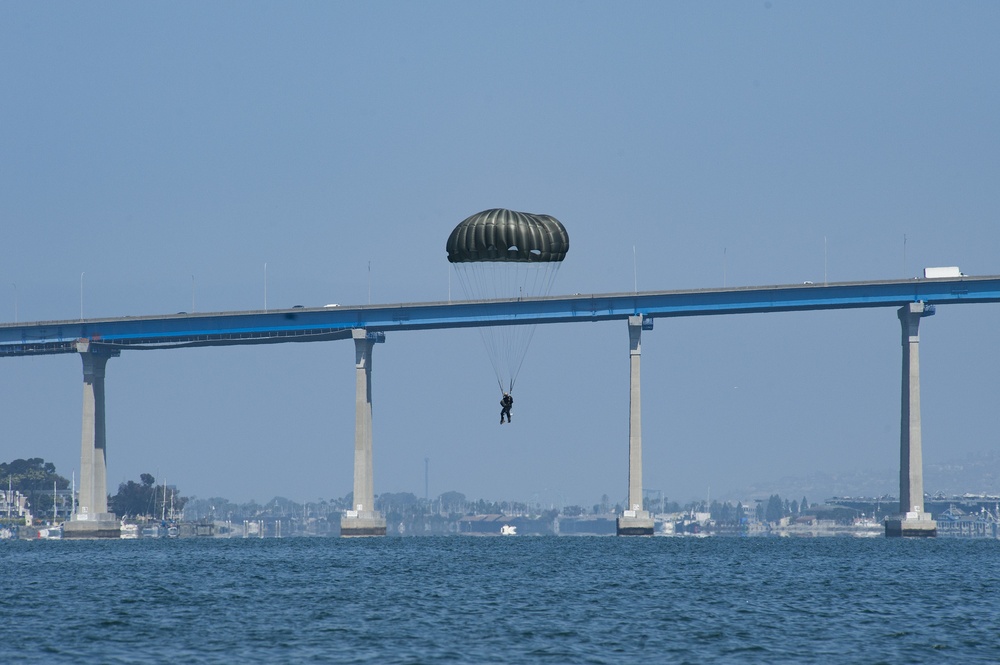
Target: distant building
(956,523)
(13,505)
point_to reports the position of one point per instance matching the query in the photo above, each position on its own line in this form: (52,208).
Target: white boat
(129,531)
(508,530)
(51,533)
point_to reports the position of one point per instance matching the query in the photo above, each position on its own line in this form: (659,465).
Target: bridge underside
(155,344)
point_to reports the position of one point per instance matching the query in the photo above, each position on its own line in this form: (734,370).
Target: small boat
(508,530)
(129,531)
(51,533)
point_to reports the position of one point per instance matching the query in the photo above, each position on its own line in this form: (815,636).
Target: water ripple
(501,600)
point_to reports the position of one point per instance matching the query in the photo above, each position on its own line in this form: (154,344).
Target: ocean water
(501,600)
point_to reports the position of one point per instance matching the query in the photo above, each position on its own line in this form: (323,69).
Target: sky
(184,156)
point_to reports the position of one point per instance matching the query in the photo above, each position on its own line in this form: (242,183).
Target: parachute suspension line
(547,279)
(485,281)
(506,344)
(474,284)
(518,337)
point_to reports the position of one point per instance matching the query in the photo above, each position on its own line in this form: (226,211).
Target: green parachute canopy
(506,235)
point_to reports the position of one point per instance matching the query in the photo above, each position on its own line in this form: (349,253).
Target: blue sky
(167,151)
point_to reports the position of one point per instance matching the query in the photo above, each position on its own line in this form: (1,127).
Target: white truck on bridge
(938,273)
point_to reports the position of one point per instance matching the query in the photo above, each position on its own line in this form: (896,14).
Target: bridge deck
(331,323)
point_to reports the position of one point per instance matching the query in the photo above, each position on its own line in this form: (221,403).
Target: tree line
(772,510)
(146,499)
(34,478)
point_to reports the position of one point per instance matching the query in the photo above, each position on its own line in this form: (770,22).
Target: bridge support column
(92,519)
(363,520)
(912,520)
(635,521)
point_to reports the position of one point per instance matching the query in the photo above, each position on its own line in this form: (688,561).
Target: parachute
(501,254)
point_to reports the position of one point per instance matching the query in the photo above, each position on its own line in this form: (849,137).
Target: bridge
(97,340)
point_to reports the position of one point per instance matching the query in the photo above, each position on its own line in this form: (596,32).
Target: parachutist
(505,403)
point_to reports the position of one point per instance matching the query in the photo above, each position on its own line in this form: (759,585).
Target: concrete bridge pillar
(92,519)
(635,521)
(363,520)
(912,520)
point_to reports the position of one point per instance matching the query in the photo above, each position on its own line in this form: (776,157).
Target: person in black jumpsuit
(505,403)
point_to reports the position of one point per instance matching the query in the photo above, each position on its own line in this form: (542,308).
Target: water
(500,600)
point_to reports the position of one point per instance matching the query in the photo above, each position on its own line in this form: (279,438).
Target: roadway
(336,322)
